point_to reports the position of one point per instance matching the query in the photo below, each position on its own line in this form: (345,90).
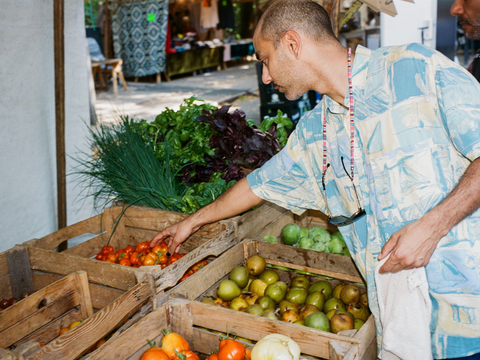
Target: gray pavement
(236,85)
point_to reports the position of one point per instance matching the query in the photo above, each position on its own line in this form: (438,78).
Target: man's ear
(292,43)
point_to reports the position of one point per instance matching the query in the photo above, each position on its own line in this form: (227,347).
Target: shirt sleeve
(288,178)
(458,94)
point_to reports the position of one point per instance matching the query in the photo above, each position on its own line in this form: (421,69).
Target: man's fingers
(158,238)
(388,247)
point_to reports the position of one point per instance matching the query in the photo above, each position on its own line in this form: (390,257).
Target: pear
(251,299)
(238,304)
(330,314)
(269,276)
(350,294)
(359,311)
(323,286)
(300,281)
(306,310)
(337,289)
(334,303)
(340,322)
(239,275)
(270,315)
(364,299)
(290,316)
(265,302)
(255,265)
(208,301)
(358,324)
(285,305)
(258,287)
(228,290)
(316,298)
(254,309)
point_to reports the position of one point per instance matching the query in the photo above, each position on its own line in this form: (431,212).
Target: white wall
(404,28)
(27,117)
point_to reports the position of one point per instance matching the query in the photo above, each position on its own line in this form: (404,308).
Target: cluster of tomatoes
(144,255)
(175,347)
(5,303)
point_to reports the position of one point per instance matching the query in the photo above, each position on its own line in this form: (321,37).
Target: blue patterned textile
(139,33)
(417,128)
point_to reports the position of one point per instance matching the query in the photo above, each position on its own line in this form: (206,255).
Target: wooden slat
(100,295)
(81,280)
(20,272)
(204,341)
(30,305)
(171,275)
(158,220)
(121,346)
(7,355)
(100,272)
(312,342)
(366,335)
(95,327)
(342,266)
(252,222)
(88,248)
(37,320)
(88,226)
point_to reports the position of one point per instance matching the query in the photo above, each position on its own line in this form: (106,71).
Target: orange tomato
(100,343)
(125,261)
(172,342)
(63,330)
(231,349)
(150,259)
(154,353)
(248,354)
(213,356)
(162,259)
(158,250)
(111,257)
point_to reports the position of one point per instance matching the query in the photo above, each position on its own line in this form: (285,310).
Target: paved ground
(236,85)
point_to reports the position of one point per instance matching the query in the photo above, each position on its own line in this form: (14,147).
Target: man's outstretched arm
(236,200)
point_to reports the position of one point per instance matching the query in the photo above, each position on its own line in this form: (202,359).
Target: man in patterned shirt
(406,153)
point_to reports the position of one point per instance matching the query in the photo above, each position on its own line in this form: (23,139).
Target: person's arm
(234,201)
(413,245)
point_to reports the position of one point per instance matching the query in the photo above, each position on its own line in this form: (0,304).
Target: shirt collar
(359,73)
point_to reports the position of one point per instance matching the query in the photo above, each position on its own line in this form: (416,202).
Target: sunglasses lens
(343,220)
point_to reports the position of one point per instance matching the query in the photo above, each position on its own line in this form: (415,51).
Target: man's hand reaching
(176,235)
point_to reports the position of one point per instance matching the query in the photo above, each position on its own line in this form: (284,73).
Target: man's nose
(266,78)
(456,8)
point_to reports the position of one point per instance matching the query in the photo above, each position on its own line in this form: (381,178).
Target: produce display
(272,347)
(144,255)
(181,161)
(316,238)
(258,290)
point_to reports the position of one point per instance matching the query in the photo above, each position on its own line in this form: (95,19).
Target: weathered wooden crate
(320,344)
(308,219)
(132,226)
(197,322)
(18,274)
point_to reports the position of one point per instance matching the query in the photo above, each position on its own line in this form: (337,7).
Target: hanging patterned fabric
(139,34)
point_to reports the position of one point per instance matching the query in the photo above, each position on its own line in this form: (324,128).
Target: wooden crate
(138,224)
(337,267)
(18,274)
(196,322)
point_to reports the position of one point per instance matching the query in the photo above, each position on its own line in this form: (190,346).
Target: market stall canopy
(385,6)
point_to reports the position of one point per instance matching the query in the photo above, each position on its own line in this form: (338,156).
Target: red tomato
(100,256)
(128,250)
(231,350)
(142,246)
(134,259)
(108,248)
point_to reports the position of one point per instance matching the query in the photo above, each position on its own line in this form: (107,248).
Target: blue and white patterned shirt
(417,129)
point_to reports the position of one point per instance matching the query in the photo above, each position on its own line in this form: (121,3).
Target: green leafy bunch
(280,123)
(187,138)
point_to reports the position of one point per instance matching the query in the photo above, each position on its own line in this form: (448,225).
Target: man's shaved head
(305,16)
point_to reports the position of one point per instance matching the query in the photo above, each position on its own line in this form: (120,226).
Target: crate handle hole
(43,303)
